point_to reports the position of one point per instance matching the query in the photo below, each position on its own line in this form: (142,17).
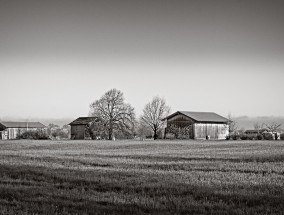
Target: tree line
(116,118)
(234,128)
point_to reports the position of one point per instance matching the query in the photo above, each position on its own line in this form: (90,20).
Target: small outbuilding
(11,130)
(198,125)
(255,132)
(78,127)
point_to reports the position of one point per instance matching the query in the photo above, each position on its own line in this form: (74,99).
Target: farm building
(264,132)
(11,130)
(198,125)
(78,127)
(256,131)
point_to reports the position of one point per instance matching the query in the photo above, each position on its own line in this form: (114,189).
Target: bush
(170,136)
(268,136)
(34,135)
(259,137)
(57,132)
(252,137)
(173,130)
(235,136)
(180,132)
(282,136)
(228,137)
(244,137)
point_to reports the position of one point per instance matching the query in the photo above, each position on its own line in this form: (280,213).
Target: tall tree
(233,125)
(153,113)
(116,115)
(257,126)
(51,128)
(273,126)
(143,130)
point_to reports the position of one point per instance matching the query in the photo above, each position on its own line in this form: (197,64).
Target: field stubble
(124,177)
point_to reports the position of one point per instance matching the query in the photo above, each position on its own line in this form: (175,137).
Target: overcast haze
(56,57)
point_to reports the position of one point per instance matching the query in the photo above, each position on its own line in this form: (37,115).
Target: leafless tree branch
(114,112)
(273,126)
(153,113)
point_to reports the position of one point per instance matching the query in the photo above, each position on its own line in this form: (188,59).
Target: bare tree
(51,128)
(96,129)
(115,114)
(274,126)
(258,126)
(233,126)
(153,113)
(143,130)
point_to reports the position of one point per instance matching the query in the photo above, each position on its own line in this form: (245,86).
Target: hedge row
(34,135)
(264,136)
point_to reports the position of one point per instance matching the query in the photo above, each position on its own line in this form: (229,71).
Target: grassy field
(134,177)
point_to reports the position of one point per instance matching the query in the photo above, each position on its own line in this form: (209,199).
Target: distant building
(11,130)
(254,131)
(201,125)
(78,127)
(264,132)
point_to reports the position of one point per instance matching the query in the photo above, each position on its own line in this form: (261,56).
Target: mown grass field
(135,177)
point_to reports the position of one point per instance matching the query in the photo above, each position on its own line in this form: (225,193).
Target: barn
(11,130)
(255,132)
(199,125)
(78,127)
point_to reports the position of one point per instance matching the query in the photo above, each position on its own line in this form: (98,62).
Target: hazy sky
(56,57)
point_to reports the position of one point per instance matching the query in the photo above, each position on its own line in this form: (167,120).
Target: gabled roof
(257,131)
(83,120)
(201,116)
(251,131)
(22,124)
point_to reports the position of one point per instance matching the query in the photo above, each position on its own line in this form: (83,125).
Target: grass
(133,177)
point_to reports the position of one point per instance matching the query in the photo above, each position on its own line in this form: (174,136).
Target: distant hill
(244,122)
(247,122)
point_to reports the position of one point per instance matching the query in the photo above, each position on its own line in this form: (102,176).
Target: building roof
(22,124)
(201,116)
(251,131)
(257,131)
(83,120)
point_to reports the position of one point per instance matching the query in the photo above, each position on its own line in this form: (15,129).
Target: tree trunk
(155,133)
(110,134)
(110,131)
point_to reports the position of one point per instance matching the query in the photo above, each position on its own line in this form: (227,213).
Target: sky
(223,56)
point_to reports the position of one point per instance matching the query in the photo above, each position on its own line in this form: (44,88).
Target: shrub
(170,136)
(252,136)
(57,132)
(180,132)
(268,136)
(235,136)
(282,136)
(259,137)
(34,135)
(228,137)
(244,137)
(174,130)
